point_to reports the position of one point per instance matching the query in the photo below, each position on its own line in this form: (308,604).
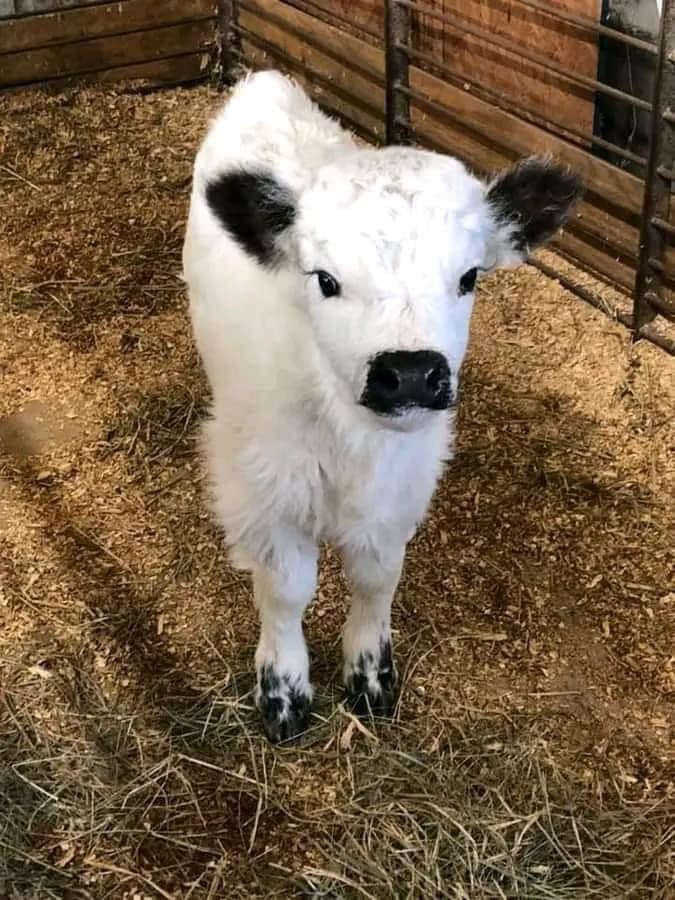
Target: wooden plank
(325,61)
(106,52)
(96,21)
(474,60)
(364,15)
(368,125)
(480,156)
(347,47)
(611,268)
(616,233)
(185,69)
(174,70)
(521,138)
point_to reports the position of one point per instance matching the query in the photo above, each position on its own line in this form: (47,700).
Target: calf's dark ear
(255,209)
(532,200)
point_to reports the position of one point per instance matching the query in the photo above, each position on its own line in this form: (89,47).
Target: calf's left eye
(468,281)
(329,286)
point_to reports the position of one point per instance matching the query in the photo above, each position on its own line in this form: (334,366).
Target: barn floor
(532,755)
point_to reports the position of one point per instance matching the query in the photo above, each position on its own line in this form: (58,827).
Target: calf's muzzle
(400,380)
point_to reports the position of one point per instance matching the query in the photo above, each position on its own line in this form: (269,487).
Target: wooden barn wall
(345,73)
(361,16)
(158,42)
(517,80)
(471,60)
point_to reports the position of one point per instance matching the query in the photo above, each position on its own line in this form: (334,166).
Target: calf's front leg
(283,588)
(370,676)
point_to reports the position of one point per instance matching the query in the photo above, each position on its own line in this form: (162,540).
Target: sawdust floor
(534,625)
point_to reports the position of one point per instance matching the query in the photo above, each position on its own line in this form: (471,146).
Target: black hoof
(283,708)
(371,685)
(365,704)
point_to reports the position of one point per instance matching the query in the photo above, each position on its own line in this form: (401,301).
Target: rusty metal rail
(656,228)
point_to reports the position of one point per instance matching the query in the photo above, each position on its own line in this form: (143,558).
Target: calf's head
(383,249)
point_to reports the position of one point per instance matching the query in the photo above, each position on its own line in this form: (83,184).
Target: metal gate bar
(656,228)
(397,104)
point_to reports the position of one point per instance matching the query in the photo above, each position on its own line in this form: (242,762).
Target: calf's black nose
(403,379)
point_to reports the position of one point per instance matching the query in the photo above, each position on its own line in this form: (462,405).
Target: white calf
(331,289)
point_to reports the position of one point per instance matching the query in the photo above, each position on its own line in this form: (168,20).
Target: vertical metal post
(397,34)
(659,180)
(225,18)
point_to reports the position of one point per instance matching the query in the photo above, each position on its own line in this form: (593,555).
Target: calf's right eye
(329,286)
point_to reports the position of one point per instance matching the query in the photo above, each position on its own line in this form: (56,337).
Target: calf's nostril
(389,380)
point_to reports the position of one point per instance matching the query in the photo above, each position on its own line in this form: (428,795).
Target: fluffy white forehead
(400,214)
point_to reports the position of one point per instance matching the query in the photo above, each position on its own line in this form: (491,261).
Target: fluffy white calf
(331,289)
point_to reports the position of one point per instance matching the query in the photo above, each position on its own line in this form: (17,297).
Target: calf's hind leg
(370,676)
(282,589)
